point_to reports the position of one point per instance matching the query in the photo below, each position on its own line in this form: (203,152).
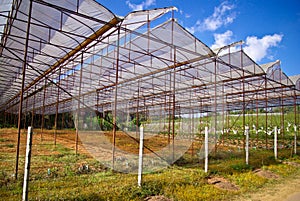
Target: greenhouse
(75,64)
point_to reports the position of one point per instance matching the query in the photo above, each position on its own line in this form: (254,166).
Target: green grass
(176,182)
(185,180)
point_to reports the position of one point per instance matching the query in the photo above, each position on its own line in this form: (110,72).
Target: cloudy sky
(270,29)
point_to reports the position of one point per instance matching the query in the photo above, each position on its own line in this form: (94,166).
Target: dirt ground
(287,190)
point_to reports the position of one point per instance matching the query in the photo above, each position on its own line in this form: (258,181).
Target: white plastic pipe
(140,170)
(275,142)
(206,149)
(247,144)
(27,164)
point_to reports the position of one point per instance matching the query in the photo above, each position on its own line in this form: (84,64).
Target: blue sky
(270,29)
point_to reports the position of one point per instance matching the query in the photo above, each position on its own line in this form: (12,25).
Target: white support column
(27,164)
(206,149)
(275,142)
(140,170)
(247,144)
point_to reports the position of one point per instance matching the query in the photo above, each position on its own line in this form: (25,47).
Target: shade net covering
(121,73)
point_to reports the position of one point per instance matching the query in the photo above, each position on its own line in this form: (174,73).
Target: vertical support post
(43,111)
(115,101)
(295,139)
(247,144)
(140,170)
(244,108)
(201,117)
(78,106)
(256,125)
(56,108)
(223,114)
(206,149)
(173,89)
(295,124)
(193,131)
(215,108)
(4,122)
(173,114)
(275,142)
(282,119)
(27,164)
(32,117)
(25,113)
(62,120)
(22,89)
(55,121)
(137,111)
(266,126)
(227,122)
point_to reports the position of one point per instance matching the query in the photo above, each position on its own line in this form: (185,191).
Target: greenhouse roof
(79,54)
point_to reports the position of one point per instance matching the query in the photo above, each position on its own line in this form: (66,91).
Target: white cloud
(187,15)
(222,39)
(194,28)
(219,17)
(143,5)
(257,48)
(222,16)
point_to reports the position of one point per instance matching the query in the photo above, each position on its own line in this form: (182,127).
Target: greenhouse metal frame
(64,56)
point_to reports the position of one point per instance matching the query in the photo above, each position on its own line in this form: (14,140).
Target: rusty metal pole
(43,111)
(223,114)
(282,111)
(5,119)
(174,88)
(137,111)
(56,108)
(295,124)
(244,107)
(22,89)
(266,98)
(62,120)
(227,122)
(25,113)
(200,118)
(193,131)
(115,101)
(78,105)
(215,108)
(256,103)
(33,104)
(173,108)
(173,116)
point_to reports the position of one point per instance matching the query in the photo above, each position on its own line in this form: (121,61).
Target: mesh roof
(54,32)
(84,52)
(296,80)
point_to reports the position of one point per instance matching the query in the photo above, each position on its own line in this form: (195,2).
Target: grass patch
(248,181)
(3,140)
(283,170)
(185,180)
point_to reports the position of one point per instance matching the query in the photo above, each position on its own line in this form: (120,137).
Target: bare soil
(157,198)
(287,190)
(266,174)
(222,183)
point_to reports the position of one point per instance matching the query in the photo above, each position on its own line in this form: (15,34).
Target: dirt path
(287,190)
